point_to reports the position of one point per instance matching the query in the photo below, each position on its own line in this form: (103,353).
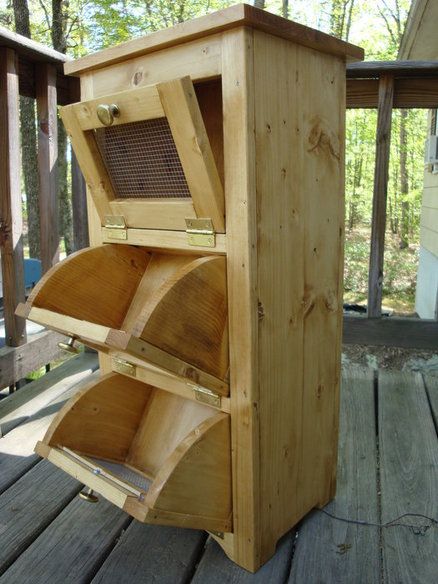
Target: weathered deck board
(330,551)
(29,505)
(409,477)
(216,568)
(72,548)
(31,398)
(431,383)
(171,554)
(16,448)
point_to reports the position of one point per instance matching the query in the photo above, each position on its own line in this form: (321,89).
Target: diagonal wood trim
(185,119)
(90,161)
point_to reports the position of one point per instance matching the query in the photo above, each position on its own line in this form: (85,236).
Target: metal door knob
(89,496)
(69,346)
(107,112)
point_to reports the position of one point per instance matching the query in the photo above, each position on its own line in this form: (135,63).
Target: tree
(28,142)
(341,18)
(60,18)
(285,8)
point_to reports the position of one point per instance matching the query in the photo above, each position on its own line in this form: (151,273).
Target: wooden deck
(388,466)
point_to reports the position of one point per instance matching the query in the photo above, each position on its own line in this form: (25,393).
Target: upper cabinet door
(146,157)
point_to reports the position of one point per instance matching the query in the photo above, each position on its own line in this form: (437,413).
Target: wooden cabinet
(214,158)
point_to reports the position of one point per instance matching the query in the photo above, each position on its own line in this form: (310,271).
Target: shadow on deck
(388,466)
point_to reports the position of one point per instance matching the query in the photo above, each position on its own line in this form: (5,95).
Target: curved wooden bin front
(160,457)
(168,309)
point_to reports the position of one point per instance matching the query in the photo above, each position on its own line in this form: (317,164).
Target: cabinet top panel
(232,17)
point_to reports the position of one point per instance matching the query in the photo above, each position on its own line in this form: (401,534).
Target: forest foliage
(81,26)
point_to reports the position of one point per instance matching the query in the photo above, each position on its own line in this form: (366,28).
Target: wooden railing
(30,69)
(384,86)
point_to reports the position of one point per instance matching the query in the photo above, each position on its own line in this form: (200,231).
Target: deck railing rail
(30,69)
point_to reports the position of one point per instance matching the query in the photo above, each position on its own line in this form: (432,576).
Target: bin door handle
(107,112)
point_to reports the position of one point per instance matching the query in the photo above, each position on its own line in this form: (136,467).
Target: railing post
(48,163)
(79,206)
(11,221)
(381,173)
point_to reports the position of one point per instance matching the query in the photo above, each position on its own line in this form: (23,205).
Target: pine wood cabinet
(214,158)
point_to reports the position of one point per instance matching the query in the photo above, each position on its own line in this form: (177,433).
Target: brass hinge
(115,227)
(219,534)
(200,232)
(121,366)
(206,396)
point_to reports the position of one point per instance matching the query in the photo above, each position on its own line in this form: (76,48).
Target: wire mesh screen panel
(142,160)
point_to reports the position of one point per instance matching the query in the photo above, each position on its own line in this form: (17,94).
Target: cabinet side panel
(240,202)
(299,108)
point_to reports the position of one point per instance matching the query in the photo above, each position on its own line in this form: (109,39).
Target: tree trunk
(285,9)
(59,41)
(404,182)
(64,195)
(28,143)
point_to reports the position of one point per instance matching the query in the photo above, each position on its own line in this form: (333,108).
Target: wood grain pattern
(321,539)
(48,164)
(198,334)
(11,221)
(144,551)
(17,362)
(431,384)
(411,333)
(209,96)
(22,496)
(91,163)
(159,269)
(159,214)
(406,437)
(234,17)
(95,284)
(240,185)
(205,454)
(71,548)
(408,93)
(142,103)
(201,59)
(300,293)
(158,434)
(381,170)
(160,239)
(215,568)
(159,377)
(102,419)
(191,140)
(398,67)
(152,354)
(127,298)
